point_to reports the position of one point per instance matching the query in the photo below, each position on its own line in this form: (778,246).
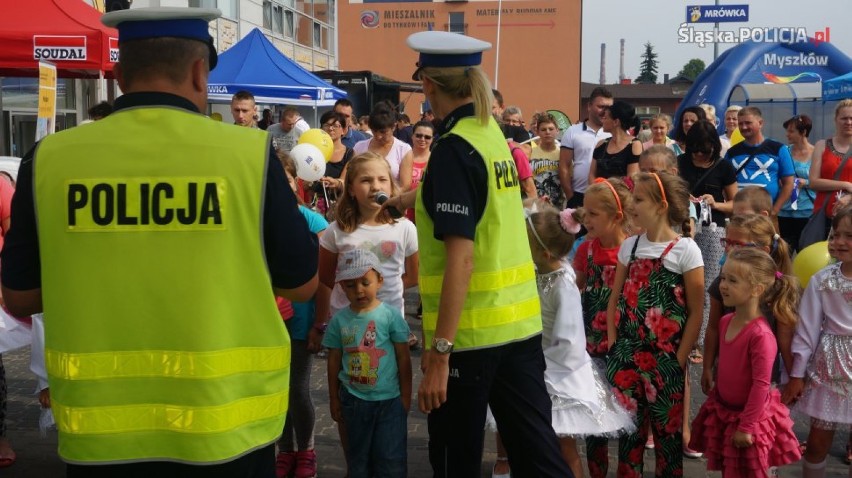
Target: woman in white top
(383,143)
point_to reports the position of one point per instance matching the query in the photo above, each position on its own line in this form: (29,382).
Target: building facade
(304,30)
(535,63)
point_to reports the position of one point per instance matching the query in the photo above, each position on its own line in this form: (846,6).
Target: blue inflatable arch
(750,63)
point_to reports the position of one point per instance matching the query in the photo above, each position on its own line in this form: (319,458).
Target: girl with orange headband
(607,220)
(653,318)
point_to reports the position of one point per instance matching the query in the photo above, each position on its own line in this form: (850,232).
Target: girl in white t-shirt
(653,318)
(362,224)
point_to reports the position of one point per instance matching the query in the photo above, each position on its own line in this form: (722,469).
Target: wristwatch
(442,346)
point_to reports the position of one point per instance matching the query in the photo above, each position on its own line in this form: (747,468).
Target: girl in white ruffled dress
(821,379)
(582,401)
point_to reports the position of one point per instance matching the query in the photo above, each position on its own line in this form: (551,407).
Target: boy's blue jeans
(377,432)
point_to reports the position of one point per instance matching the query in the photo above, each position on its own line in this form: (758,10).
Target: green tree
(692,69)
(648,68)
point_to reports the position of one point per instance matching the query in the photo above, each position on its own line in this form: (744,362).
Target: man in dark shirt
(350,134)
(163,73)
(403,130)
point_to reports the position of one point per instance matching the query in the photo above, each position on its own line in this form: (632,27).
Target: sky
(657,22)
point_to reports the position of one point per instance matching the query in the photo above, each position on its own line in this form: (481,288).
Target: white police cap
(156,22)
(446,49)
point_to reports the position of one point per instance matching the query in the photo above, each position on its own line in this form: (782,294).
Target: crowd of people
(568,280)
(713,202)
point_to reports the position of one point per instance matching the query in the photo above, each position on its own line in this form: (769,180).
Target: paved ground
(37,455)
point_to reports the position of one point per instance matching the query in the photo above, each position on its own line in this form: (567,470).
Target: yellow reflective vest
(502,302)
(162,337)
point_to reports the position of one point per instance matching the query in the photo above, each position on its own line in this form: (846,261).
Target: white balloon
(310,162)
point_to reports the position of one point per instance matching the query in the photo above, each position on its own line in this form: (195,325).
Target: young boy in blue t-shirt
(369,371)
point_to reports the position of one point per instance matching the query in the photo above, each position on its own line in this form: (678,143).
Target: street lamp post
(497,51)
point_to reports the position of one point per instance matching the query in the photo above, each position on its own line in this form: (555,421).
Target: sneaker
(690,453)
(284,463)
(306,464)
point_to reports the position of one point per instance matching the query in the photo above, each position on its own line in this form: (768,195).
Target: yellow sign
(46,123)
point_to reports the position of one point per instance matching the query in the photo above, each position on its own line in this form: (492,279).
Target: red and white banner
(59,48)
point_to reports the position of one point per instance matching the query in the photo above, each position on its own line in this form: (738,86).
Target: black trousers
(791,229)
(257,464)
(576,200)
(510,378)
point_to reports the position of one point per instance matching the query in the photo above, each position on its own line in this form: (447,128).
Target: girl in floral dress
(653,318)
(604,207)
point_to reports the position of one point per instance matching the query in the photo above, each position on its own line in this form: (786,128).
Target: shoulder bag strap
(742,166)
(843,161)
(707,173)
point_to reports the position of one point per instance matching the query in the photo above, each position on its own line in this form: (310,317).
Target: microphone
(381,198)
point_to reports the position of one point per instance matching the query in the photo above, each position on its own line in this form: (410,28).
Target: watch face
(443,346)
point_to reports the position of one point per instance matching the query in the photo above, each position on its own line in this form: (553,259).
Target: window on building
(304,30)
(267,15)
(277,19)
(228,7)
(322,38)
(321,12)
(456,24)
(305,6)
(647,110)
(289,24)
(317,35)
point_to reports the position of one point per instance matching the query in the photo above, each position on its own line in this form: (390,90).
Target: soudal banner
(113,50)
(59,48)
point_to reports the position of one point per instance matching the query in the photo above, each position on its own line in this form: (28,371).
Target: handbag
(814,230)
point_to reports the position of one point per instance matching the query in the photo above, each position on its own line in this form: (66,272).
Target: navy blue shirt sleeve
(20,257)
(292,250)
(455,188)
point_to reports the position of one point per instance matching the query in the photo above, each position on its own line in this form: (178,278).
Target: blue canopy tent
(254,64)
(838,88)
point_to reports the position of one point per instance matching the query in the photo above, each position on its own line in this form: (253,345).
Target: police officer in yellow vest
(481,315)
(153,240)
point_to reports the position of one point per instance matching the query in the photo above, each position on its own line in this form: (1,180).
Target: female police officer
(481,316)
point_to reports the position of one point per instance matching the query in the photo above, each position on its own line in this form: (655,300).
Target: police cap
(157,22)
(446,49)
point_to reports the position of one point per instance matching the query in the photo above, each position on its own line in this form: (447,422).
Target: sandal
(494,474)
(696,357)
(7,455)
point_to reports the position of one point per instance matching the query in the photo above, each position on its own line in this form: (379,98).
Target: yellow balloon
(736,137)
(320,139)
(810,260)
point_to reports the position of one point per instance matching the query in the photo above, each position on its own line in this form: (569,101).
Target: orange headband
(660,184)
(614,192)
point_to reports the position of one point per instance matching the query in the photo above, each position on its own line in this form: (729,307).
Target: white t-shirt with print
(684,256)
(392,244)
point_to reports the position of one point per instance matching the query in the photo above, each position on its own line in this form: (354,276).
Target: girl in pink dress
(822,349)
(743,428)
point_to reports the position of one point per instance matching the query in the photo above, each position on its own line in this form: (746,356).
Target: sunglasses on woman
(422,136)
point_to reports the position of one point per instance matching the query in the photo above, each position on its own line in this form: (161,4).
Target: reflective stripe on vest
(502,303)
(162,337)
